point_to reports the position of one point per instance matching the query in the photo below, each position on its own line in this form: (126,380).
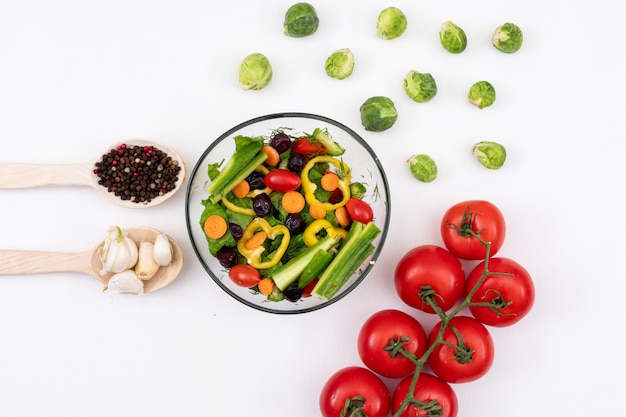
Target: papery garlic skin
(118,253)
(146,265)
(163,250)
(125,282)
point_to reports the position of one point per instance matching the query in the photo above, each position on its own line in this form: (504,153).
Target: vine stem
(445,322)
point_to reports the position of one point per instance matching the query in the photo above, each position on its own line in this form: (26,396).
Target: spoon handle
(20,262)
(23,175)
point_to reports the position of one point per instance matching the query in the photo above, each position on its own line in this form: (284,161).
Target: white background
(76,76)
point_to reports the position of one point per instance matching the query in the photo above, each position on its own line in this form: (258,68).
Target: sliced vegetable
(318,263)
(353,252)
(317,210)
(332,148)
(254,255)
(273,157)
(215,226)
(293,202)
(266,286)
(236,170)
(309,187)
(330,181)
(242,189)
(311,232)
(290,271)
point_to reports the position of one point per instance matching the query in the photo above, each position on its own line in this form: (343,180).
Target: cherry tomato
(428,388)
(429,266)
(282,180)
(461,359)
(359,210)
(383,329)
(308,148)
(511,296)
(479,216)
(361,387)
(244,275)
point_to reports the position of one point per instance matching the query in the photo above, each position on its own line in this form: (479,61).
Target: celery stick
(318,263)
(226,186)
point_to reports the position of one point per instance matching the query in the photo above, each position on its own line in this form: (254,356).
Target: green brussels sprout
(482,94)
(391,23)
(420,87)
(490,154)
(508,38)
(255,72)
(423,167)
(300,20)
(340,64)
(378,113)
(357,190)
(452,38)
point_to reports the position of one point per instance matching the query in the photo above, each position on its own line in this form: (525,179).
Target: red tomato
(429,266)
(428,388)
(462,360)
(359,210)
(381,330)
(244,275)
(511,296)
(282,180)
(361,387)
(308,148)
(479,216)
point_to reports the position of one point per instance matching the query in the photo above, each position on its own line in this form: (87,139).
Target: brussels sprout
(255,72)
(482,94)
(452,37)
(300,20)
(508,38)
(420,87)
(423,167)
(340,64)
(490,154)
(378,113)
(391,23)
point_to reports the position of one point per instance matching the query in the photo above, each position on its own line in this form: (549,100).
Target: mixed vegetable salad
(285,218)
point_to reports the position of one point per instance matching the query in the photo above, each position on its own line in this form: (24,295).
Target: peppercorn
(137,173)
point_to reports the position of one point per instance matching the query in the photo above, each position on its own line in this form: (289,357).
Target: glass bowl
(364,167)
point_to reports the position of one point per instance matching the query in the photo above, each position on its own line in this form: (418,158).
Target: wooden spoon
(21,262)
(24,175)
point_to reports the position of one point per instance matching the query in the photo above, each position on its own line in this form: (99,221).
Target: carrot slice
(317,211)
(273,157)
(342,216)
(266,286)
(215,226)
(256,240)
(242,189)
(293,202)
(330,181)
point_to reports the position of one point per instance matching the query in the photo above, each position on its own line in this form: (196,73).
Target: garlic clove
(162,250)
(118,253)
(146,265)
(125,282)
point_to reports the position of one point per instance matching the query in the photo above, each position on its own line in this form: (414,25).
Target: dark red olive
(294,223)
(293,292)
(227,257)
(262,205)
(235,230)
(281,142)
(296,162)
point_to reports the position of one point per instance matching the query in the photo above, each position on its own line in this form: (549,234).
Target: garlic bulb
(125,282)
(118,252)
(146,265)
(162,250)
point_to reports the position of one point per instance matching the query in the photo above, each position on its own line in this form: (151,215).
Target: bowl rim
(227,134)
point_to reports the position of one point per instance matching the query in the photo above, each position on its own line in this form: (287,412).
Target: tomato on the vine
(282,180)
(504,299)
(354,388)
(359,210)
(435,397)
(244,275)
(466,353)
(382,336)
(479,216)
(432,271)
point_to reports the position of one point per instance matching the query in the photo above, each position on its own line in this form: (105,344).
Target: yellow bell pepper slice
(310,233)
(253,256)
(237,209)
(309,187)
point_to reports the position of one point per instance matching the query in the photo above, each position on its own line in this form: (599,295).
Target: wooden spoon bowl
(24,175)
(22,262)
